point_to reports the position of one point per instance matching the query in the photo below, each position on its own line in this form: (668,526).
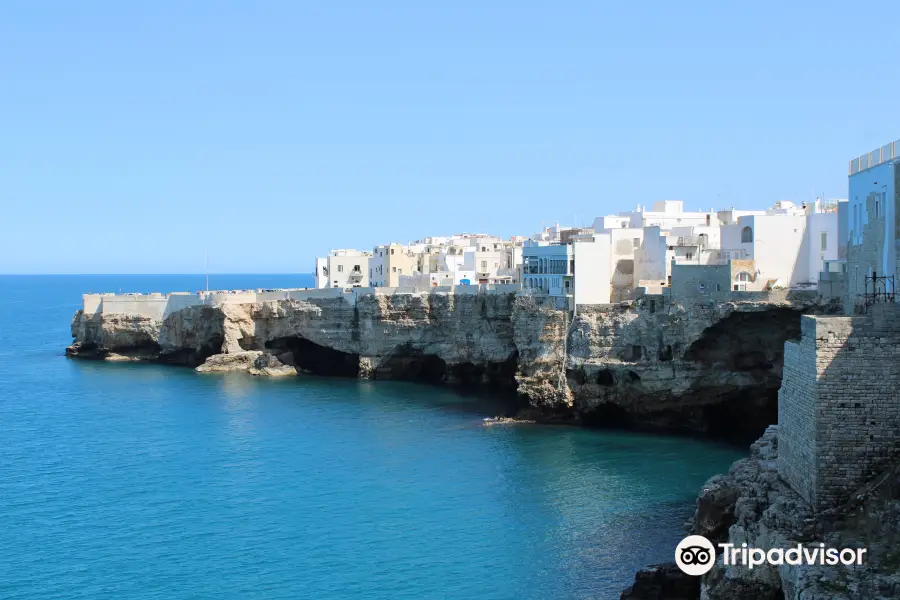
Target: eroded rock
(254,362)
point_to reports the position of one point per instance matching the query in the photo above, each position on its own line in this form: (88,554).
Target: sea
(139,481)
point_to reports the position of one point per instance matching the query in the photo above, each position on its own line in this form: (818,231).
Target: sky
(142,137)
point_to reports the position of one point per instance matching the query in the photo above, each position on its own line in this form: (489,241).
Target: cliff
(657,364)
(752,505)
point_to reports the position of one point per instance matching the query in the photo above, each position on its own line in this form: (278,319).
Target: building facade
(343,268)
(872,228)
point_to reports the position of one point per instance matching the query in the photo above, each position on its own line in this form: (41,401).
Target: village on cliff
(663,249)
(705,320)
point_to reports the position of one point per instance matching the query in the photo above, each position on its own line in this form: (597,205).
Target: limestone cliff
(701,366)
(752,505)
(650,364)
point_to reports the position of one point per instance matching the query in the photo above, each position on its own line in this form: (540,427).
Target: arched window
(746,235)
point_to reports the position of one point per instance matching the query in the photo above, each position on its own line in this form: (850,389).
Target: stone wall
(700,281)
(838,409)
(797,407)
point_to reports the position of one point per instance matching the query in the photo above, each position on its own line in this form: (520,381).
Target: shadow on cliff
(734,368)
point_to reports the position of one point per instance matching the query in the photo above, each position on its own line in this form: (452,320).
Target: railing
(878,290)
(876,157)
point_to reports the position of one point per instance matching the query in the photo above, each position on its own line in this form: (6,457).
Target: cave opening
(747,341)
(741,416)
(606,377)
(608,415)
(316,359)
(413,365)
(192,357)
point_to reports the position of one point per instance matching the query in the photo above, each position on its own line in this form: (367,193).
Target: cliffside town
(721,346)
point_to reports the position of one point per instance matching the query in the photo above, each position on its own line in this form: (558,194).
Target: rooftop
(886,153)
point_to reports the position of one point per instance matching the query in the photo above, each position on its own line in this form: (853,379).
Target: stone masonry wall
(839,397)
(796,412)
(857,406)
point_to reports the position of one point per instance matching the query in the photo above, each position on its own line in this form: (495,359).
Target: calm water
(138,481)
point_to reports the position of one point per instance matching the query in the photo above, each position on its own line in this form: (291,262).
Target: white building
(692,245)
(789,244)
(391,261)
(460,259)
(665,214)
(343,268)
(593,269)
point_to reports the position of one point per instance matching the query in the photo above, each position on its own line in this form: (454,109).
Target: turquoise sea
(147,482)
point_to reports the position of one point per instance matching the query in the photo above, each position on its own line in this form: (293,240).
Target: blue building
(872,220)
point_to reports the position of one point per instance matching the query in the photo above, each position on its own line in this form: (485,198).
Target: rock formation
(752,505)
(254,362)
(655,364)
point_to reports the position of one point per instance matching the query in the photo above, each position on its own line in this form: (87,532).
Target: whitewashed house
(343,268)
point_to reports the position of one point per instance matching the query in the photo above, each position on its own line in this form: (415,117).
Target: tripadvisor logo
(696,555)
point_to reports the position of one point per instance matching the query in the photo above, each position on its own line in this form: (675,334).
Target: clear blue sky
(135,136)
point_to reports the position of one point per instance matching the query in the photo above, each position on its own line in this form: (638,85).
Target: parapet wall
(159,306)
(838,410)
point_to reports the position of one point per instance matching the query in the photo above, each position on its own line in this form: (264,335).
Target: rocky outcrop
(752,505)
(702,367)
(662,582)
(254,362)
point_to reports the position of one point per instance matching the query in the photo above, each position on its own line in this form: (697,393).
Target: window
(392,250)
(876,206)
(746,235)
(340,268)
(824,240)
(702,286)
(718,288)
(484,265)
(636,242)
(394,269)
(689,255)
(356,268)
(400,271)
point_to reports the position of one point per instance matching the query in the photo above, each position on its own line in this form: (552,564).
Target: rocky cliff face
(699,367)
(752,505)
(696,368)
